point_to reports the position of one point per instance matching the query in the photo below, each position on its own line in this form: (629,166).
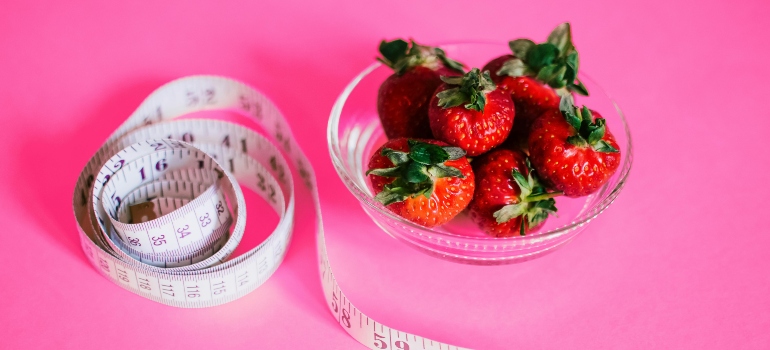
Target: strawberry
(509,199)
(423,181)
(573,150)
(402,100)
(535,75)
(470,112)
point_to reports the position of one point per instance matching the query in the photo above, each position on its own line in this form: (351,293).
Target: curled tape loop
(160,208)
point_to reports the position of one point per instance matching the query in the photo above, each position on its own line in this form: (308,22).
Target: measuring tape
(160,207)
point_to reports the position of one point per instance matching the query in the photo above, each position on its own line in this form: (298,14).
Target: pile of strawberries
(515,119)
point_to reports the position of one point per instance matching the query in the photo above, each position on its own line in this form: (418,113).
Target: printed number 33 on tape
(160,207)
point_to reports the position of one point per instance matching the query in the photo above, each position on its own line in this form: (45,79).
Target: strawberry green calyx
(590,132)
(416,171)
(535,203)
(554,62)
(472,90)
(402,56)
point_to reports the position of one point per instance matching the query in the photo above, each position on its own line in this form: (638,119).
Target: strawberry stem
(543,196)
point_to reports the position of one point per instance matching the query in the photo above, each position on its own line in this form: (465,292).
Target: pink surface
(679,261)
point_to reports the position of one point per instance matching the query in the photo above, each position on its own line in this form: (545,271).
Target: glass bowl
(354,133)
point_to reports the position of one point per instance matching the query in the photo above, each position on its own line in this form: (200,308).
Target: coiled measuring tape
(160,209)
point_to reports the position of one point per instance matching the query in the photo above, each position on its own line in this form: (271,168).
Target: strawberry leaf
(558,79)
(521,47)
(542,55)
(537,217)
(448,62)
(567,108)
(387,172)
(441,170)
(387,197)
(573,120)
(572,62)
(539,210)
(393,51)
(452,80)
(451,98)
(546,73)
(478,101)
(427,153)
(521,181)
(548,205)
(585,113)
(567,103)
(397,157)
(604,147)
(399,186)
(578,88)
(533,185)
(455,153)
(597,131)
(515,68)
(509,212)
(485,82)
(577,140)
(427,192)
(561,38)
(553,75)
(416,173)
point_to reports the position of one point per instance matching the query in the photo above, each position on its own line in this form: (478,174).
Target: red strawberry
(573,150)
(509,200)
(402,101)
(423,181)
(470,112)
(535,75)
(494,66)
(530,97)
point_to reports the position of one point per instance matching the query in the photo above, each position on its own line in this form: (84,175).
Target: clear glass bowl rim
(360,193)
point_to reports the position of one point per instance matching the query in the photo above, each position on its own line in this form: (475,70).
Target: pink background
(681,260)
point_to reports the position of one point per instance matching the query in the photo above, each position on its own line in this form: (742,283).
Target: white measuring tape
(155,205)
